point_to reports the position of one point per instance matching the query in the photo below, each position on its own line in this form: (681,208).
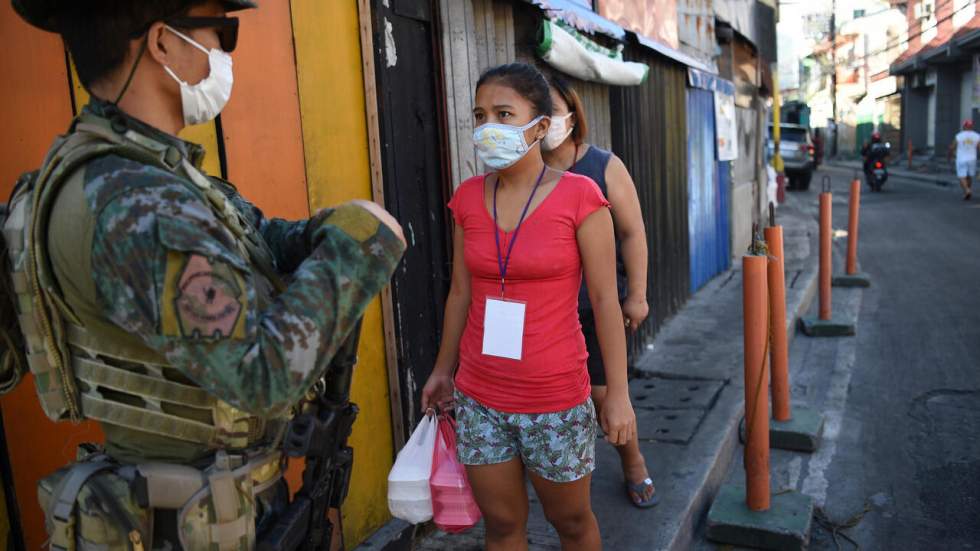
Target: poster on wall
(726,131)
(976,81)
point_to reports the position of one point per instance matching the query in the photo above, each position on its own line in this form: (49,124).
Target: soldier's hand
(384,216)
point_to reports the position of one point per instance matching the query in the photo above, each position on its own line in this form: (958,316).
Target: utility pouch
(98,505)
(222,514)
(13,353)
(88,506)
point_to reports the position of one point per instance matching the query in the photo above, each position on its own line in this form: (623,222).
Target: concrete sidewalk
(688,396)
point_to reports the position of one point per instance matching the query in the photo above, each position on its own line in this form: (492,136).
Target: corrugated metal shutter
(649,132)
(707,227)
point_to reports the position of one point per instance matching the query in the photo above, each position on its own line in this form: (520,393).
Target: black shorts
(597,370)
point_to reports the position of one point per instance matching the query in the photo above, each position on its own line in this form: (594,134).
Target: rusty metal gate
(649,132)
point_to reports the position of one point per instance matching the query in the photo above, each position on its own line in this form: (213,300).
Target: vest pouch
(104,516)
(221,516)
(13,353)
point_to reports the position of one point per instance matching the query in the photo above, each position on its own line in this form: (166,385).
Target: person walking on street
(965,144)
(564,148)
(523,235)
(159,302)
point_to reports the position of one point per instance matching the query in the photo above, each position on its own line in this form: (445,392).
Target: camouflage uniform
(260,351)
(241,322)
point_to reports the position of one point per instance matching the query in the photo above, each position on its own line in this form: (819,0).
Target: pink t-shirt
(545,272)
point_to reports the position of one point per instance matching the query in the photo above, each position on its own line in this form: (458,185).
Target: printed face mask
(501,145)
(203,101)
(557,133)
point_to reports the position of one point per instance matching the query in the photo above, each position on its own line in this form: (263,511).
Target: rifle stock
(319,433)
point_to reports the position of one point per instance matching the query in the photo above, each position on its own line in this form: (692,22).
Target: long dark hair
(524,79)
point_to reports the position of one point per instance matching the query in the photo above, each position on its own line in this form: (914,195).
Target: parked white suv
(796,148)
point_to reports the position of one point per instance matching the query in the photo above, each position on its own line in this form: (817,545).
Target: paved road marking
(815,484)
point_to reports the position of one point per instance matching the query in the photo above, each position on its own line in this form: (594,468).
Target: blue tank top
(593,164)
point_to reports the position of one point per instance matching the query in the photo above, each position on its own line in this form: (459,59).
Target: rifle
(319,432)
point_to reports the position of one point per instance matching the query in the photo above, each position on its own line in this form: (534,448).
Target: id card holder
(503,328)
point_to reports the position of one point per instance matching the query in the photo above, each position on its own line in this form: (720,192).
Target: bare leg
(568,507)
(630,456)
(966,185)
(501,494)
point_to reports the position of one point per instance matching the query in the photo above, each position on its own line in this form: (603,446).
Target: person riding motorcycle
(873,152)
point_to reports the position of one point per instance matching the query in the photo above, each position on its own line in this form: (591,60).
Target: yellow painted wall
(331,93)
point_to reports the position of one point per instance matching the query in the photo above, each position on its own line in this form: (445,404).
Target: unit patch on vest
(202,298)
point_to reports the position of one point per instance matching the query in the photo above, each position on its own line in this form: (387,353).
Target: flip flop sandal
(638,490)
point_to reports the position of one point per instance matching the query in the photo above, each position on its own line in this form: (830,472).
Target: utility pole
(833,70)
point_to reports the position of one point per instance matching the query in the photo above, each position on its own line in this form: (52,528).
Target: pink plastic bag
(453,508)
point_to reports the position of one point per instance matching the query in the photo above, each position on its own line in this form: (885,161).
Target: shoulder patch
(202,298)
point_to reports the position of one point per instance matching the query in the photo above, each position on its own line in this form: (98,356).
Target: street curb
(395,535)
(920,177)
(723,419)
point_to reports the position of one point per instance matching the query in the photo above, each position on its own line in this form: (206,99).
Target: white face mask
(502,145)
(203,101)
(557,133)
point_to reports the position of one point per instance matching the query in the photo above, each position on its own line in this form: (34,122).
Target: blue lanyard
(502,261)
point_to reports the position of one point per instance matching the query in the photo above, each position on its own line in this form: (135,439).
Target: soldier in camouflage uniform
(156,300)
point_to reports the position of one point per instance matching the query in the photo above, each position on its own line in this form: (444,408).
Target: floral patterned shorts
(559,447)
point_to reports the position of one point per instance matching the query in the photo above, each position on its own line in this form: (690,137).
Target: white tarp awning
(572,53)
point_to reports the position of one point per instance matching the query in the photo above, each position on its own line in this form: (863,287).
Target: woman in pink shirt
(513,358)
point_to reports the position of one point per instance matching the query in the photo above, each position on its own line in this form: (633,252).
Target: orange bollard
(756,321)
(779,355)
(825,251)
(852,228)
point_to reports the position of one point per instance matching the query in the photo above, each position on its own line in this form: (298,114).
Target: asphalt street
(900,460)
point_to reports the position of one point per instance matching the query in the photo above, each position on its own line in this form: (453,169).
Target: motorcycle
(876,171)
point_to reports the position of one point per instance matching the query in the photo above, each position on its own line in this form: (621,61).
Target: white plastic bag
(409,496)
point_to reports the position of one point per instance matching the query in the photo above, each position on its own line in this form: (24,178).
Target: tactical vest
(85,367)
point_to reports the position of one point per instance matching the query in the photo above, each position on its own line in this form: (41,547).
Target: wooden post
(756,322)
(398,429)
(779,358)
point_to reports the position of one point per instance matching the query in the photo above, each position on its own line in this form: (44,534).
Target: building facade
(939,73)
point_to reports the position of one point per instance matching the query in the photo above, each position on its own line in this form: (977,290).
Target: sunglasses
(227,28)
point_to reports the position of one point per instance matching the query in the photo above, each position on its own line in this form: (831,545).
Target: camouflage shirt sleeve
(167,270)
(289,240)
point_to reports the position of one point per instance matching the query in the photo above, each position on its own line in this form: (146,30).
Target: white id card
(503,328)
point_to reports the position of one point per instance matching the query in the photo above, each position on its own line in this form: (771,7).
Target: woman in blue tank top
(564,148)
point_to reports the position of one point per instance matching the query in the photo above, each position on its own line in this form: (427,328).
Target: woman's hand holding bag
(453,505)
(409,496)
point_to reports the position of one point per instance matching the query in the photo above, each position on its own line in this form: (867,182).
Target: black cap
(43,14)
